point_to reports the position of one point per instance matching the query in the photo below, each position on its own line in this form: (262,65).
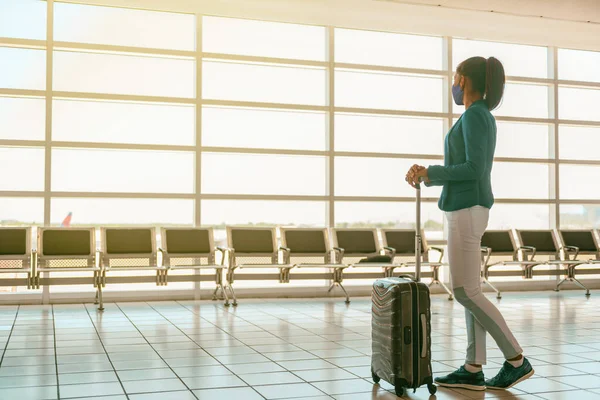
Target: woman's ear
(463,83)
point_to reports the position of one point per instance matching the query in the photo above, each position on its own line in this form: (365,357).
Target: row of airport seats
(541,252)
(250,254)
(253,254)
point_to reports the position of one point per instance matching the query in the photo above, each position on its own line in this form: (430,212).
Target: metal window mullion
(198,158)
(331,127)
(48,98)
(556,139)
(447,60)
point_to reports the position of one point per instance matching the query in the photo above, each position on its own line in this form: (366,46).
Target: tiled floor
(275,349)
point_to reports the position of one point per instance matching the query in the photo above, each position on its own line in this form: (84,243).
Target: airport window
(518,60)
(535,178)
(23,19)
(525,216)
(390,91)
(264,83)
(388,49)
(127,171)
(22,168)
(580,216)
(263,39)
(124,74)
(263,174)
(123,27)
(21,211)
(579,182)
(123,122)
(263,128)
(118,212)
(577,65)
(578,104)
(388,134)
(22,118)
(571,138)
(523,140)
(22,68)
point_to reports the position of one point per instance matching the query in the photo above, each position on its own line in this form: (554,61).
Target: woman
(466,199)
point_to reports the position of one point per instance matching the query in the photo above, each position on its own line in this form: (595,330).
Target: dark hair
(487,78)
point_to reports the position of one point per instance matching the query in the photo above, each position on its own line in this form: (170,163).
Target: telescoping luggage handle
(418,239)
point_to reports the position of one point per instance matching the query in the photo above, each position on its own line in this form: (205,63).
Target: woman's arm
(476,138)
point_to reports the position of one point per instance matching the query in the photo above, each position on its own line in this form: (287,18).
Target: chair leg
(331,287)
(96,298)
(100,300)
(560,283)
(581,285)
(232,296)
(498,294)
(346,293)
(216,291)
(450,295)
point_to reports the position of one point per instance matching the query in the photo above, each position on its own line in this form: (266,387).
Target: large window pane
(384,214)
(267,129)
(122,171)
(22,68)
(361,176)
(518,60)
(388,49)
(224,173)
(266,39)
(521,100)
(22,118)
(576,216)
(120,74)
(577,65)
(523,140)
(110,211)
(533,180)
(578,104)
(579,142)
(21,211)
(120,122)
(387,91)
(263,83)
(21,168)
(383,134)
(220,213)
(579,182)
(123,27)
(23,19)
(520,216)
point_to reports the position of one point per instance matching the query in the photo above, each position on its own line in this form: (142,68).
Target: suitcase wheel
(376,379)
(432,388)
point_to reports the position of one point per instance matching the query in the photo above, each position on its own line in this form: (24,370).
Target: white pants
(466,227)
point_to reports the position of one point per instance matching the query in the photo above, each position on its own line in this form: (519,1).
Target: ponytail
(494,82)
(487,78)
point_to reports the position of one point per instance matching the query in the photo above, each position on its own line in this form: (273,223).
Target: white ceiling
(568,10)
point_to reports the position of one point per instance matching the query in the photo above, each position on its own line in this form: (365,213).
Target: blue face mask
(458,94)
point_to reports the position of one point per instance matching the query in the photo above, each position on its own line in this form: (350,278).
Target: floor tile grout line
(274,362)
(55,354)
(224,366)
(12,328)
(278,363)
(150,344)
(106,352)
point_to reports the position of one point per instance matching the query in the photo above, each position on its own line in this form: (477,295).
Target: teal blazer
(468,156)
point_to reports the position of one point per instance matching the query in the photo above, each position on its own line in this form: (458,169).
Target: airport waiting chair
(310,248)
(577,243)
(401,243)
(537,243)
(68,250)
(130,249)
(497,243)
(16,256)
(253,249)
(192,249)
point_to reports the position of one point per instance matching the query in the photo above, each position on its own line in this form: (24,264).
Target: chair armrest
(570,249)
(528,249)
(439,250)
(224,250)
(165,255)
(340,251)
(286,254)
(391,250)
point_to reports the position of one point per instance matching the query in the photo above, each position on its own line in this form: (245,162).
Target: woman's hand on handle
(416,174)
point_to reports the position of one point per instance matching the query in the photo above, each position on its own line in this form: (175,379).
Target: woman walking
(466,199)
